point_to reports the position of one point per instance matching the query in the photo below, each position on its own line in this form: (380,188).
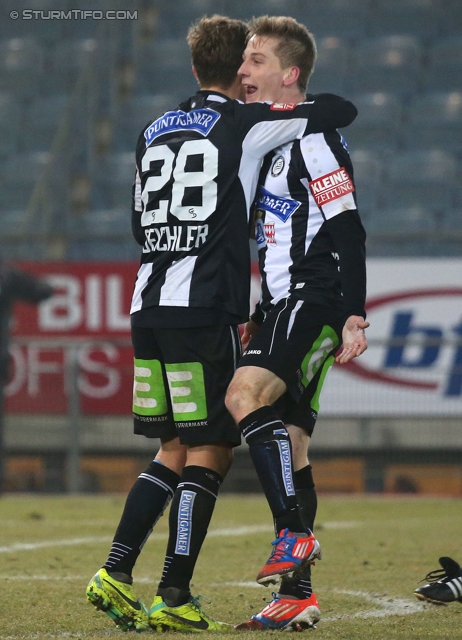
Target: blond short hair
(296,46)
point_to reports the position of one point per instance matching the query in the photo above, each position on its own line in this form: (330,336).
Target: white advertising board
(413,366)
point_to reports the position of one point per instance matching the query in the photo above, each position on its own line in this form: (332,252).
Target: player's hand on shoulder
(354,339)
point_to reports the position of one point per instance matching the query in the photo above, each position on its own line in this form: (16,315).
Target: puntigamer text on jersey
(200,120)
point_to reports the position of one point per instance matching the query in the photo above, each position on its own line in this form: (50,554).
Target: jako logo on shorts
(183,538)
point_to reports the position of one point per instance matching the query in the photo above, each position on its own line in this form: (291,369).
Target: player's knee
(172,454)
(239,400)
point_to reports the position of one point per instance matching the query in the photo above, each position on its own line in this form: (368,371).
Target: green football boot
(186,617)
(119,601)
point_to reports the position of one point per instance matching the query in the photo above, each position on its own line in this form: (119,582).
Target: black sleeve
(349,238)
(330,112)
(258,316)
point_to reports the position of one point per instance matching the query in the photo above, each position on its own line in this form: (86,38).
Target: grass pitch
(375,551)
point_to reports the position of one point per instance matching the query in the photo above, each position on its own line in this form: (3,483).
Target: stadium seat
(435,120)
(450,17)
(102,235)
(44,31)
(165,67)
(69,58)
(42,121)
(388,64)
(378,123)
(102,249)
(11,112)
(102,223)
(331,66)
(13,223)
(445,65)
(402,17)
(451,220)
(18,177)
(21,65)
(422,179)
(174,19)
(136,113)
(398,220)
(342,18)
(113,184)
(368,177)
(244,10)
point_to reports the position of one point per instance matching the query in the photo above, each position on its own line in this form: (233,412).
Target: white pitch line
(339,524)
(28,546)
(228,532)
(388,606)
(69,542)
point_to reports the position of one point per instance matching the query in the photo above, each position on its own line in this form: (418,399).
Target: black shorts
(180,382)
(297,342)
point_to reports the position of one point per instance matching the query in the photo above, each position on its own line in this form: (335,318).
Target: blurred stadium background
(74,94)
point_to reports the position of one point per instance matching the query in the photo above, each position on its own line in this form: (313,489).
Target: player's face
(261,72)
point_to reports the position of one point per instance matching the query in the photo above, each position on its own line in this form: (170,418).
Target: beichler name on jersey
(175,238)
(200,120)
(331,186)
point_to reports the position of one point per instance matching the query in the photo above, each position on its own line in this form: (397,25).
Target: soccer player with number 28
(197,170)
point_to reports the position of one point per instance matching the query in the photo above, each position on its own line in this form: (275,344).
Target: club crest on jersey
(283,106)
(278,166)
(331,186)
(200,120)
(282,208)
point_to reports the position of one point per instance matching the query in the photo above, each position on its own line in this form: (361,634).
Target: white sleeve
(265,136)
(331,186)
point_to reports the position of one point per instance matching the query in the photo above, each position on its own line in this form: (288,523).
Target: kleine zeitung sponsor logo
(331,186)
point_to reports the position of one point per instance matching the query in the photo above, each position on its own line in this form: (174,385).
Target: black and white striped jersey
(197,172)
(304,187)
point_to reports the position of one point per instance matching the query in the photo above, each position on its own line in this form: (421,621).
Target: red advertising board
(88,316)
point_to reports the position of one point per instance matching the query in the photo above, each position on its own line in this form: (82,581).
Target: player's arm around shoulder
(265,126)
(330,112)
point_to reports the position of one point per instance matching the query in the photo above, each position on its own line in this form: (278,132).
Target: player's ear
(290,76)
(194,72)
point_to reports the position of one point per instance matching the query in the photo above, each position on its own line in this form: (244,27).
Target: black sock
(190,515)
(146,502)
(298,586)
(271,453)
(306,496)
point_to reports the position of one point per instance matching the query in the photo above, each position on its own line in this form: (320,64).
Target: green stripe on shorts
(325,369)
(149,397)
(318,353)
(187,391)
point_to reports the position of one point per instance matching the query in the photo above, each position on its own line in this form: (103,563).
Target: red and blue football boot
(285,614)
(290,552)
